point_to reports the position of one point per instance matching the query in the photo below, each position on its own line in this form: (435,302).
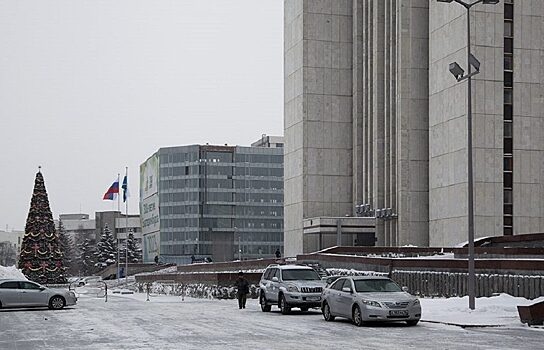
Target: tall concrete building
(373,116)
(213,202)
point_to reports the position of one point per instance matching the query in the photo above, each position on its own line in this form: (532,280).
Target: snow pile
(11,272)
(499,310)
(352,272)
(173,271)
(195,290)
(168,270)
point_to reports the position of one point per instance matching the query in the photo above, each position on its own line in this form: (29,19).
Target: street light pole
(237,235)
(471,268)
(459,75)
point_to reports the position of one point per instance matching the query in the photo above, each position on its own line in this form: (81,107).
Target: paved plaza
(129,322)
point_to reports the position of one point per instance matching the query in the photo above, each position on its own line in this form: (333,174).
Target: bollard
(106,291)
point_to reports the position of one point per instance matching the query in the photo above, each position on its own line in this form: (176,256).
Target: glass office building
(219,202)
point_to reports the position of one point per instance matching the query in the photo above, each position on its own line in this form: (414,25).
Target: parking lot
(129,322)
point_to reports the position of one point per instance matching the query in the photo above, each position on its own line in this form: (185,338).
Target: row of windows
(203,236)
(206,249)
(221,157)
(508,116)
(225,223)
(196,197)
(223,210)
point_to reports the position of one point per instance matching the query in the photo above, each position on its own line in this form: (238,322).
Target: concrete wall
(390,117)
(448,123)
(293,124)
(318,125)
(528,117)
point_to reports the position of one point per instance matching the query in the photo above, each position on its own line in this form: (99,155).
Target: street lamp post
(458,72)
(239,247)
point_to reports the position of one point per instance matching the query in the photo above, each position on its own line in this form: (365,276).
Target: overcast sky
(89,87)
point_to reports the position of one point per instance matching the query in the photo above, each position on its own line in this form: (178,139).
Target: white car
(369,299)
(89,280)
(21,293)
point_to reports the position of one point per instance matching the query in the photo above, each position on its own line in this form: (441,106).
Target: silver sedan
(20,293)
(369,299)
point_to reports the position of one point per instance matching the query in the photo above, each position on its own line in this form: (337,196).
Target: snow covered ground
(166,322)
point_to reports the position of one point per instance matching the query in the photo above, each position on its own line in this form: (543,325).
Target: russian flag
(112,192)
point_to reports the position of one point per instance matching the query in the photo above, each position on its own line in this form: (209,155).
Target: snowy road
(168,323)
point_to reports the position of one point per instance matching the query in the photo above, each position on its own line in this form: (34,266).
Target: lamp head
(474,62)
(491,2)
(456,70)
(444,0)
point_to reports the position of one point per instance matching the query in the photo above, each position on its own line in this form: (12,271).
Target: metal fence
(454,284)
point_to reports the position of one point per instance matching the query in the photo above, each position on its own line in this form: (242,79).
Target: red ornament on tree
(35,248)
(44,265)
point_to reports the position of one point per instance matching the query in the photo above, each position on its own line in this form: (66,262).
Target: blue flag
(125,189)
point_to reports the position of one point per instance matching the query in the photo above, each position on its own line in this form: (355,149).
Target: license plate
(398,313)
(312,298)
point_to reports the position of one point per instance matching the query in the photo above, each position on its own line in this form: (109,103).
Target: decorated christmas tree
(41,254)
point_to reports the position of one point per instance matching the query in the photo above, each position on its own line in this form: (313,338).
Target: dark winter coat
(242,285)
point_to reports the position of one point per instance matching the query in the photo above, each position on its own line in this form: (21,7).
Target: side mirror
(42,289)
(346,289)
(405,289)
(275,279)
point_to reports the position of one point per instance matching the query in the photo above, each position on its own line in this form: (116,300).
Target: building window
(509,11)
(508,29)
(508,80)
(508,112)
(508,132)
(508,63)
(508,96)
(508,45)
(508,180)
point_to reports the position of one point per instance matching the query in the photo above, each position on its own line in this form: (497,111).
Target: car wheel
(327,312)
(412,322)
(81,284)
(285,309)
(303,309)
(56,303)
(264,306)
(357,316)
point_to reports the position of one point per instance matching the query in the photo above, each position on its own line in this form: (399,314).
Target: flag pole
(115,228)
(125,195)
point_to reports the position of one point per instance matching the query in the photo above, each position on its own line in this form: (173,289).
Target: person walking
(278,253)
(243,289)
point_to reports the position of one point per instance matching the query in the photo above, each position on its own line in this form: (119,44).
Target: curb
(465,325)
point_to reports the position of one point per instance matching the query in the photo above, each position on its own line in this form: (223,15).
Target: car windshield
(377,285)
(292,275)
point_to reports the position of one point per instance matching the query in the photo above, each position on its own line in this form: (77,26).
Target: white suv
(290,286)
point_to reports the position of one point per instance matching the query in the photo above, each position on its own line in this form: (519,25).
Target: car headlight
(292,289)
(371,303)
(416,302)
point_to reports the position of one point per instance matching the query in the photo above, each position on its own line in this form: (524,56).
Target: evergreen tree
(86,258)
(66,244)
(106,249)
(134,252)
(41,257)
